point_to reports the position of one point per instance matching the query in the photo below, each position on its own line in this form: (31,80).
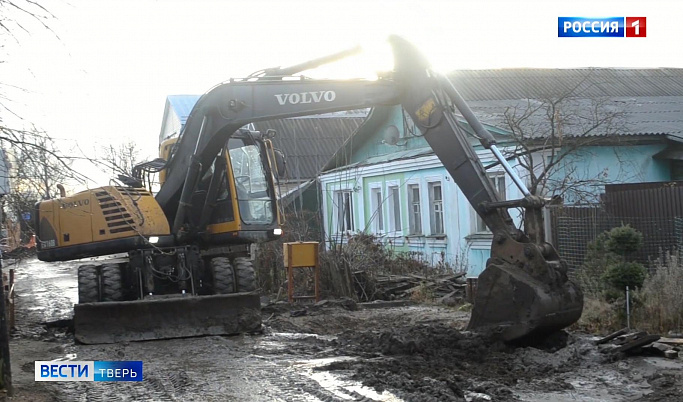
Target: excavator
(178,264)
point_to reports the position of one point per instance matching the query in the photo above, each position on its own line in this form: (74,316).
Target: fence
(575,227)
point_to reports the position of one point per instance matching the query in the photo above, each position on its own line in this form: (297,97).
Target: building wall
(462,246)
(611,164)
(171,124)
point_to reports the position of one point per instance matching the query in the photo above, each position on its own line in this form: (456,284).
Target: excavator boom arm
(229,106)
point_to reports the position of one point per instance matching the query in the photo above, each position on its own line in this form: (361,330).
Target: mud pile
(438,362)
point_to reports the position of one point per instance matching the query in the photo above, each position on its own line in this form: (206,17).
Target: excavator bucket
(163,318)
(514,305)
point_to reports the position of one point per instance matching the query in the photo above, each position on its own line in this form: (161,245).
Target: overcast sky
(103,75)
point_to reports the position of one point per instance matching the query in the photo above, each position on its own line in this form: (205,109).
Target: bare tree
(35,173)
(18,14)
(552,136)
(121,159)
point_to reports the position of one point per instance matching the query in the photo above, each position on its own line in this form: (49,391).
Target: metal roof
(522,83)
(647,101)
(642,115)
(182,105)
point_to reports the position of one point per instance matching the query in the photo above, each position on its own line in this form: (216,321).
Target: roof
(522,83)
(182,105)
(634,116)
(309,142)
(648,101)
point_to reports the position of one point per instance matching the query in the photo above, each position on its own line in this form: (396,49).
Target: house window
(377,213)
(394,209)
(498,182)
(436,208)
(414,211)
(343,210)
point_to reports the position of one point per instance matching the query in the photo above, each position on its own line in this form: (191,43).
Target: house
(307,142)
(176,112)
(387,181)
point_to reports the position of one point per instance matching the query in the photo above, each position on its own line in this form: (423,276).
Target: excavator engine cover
(167,317)
(515,305)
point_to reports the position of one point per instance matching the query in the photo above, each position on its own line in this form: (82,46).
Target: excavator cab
(246,209)
(235,198)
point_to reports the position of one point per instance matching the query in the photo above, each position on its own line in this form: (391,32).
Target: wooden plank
(427,284)
(611,336)
(629,337)
(638,342)
(671,341)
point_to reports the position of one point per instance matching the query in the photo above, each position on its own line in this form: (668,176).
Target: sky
(102,74)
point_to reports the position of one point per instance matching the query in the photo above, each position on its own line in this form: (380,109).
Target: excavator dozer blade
(176,317)
(514,305)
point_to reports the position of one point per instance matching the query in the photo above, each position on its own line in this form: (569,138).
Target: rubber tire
(112,283)
(88,289)
(223,276)
(245,274)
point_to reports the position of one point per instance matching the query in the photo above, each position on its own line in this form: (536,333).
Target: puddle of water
(608,386)
(658,362)
(67,357)
(342,388)
(278,340)
(297,336)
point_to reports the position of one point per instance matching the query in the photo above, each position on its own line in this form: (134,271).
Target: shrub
(661,298)
(598,259)
(604,276)
(599,316)
(624,240)
(622,274)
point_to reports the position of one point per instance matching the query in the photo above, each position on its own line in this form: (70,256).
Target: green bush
(598,259)
(622,274)
(624,240)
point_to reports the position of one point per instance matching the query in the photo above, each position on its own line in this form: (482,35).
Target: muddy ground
(334,352)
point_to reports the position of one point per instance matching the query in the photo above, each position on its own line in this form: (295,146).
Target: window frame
(497,178)
(378,223)
(433,223)
(393,201)
(337,210)
(410,185)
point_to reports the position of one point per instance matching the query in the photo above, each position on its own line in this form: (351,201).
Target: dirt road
(326,353)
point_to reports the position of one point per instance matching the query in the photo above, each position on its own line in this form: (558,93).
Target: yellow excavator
(178,262)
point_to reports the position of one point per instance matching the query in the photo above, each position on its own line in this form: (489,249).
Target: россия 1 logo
(609,27)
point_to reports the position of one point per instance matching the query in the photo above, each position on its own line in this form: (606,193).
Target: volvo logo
(75,203)
(306,97)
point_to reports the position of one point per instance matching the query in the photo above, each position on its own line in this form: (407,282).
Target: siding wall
(462,246)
